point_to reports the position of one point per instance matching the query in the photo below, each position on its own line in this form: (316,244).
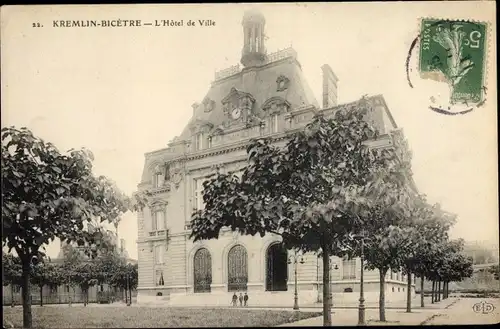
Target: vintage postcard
(259,164)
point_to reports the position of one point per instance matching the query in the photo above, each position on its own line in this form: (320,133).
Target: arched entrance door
(202,270)
(276,268)
(237,262)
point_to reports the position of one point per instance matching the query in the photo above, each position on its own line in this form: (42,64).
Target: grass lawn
(147,317)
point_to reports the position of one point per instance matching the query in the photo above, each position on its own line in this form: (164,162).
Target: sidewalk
(349,316)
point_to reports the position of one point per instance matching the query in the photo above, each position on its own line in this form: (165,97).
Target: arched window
(202,264)
(237,268)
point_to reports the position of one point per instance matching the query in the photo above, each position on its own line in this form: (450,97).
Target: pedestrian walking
(241,299)
(245,299)
(235,300)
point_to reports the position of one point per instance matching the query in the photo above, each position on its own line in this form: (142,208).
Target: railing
(272,57)
(280,54)
(158,233)
(219,75)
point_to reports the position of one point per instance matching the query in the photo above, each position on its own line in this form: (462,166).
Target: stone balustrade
(272,57)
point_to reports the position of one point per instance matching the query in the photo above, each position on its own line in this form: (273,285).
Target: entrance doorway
(277,268)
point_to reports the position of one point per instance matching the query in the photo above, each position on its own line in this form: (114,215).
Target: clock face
(236,113)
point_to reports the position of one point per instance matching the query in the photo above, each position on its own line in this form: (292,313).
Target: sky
(125,91)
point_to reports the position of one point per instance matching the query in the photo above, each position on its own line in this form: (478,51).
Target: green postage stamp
(454,52)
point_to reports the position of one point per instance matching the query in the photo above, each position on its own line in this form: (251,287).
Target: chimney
(329,87)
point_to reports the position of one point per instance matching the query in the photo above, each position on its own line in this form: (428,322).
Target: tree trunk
(41,295)
(381,298)
(27,317)
(421,291)
(408,294)
(439,291)
(433,291)
(327,310)
(12,303)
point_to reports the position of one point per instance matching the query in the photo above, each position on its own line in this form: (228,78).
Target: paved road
(394,316)
(462,312)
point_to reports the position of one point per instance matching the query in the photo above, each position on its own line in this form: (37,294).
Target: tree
(107,264)
(45,274)
(125,277)
(456,265)
(448,264)
(84,275)
(495,269)
(73,260)
(431,228)
(389,220)
(309,192)
(48,194)
(11,272)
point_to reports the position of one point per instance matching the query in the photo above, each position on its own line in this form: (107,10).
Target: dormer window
(276,105)
(199,142)
(158,179)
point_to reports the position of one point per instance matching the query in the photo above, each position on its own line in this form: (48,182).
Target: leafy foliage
(315,192)
(11,269)
(48,194)
(301,191)
(495,269)
(46,274)
(125,276)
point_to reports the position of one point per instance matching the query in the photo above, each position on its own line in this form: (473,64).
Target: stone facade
(268,97)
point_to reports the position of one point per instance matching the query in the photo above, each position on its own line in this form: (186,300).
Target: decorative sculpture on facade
(282,83)
(208,104)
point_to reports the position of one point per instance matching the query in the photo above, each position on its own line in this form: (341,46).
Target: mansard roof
(259,82)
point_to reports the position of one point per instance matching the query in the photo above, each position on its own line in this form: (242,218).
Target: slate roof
(261,83)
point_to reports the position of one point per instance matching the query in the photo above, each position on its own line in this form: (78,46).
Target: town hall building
(268,96)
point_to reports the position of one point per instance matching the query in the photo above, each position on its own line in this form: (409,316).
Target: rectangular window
(159,278)
(274,123)
(199,142)
(349,269)
(159,253)
(198,203)
(158,179)
(159,220)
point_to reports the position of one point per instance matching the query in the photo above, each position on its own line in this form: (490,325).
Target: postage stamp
(454,52)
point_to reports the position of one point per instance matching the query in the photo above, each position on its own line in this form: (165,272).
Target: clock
(236,113)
